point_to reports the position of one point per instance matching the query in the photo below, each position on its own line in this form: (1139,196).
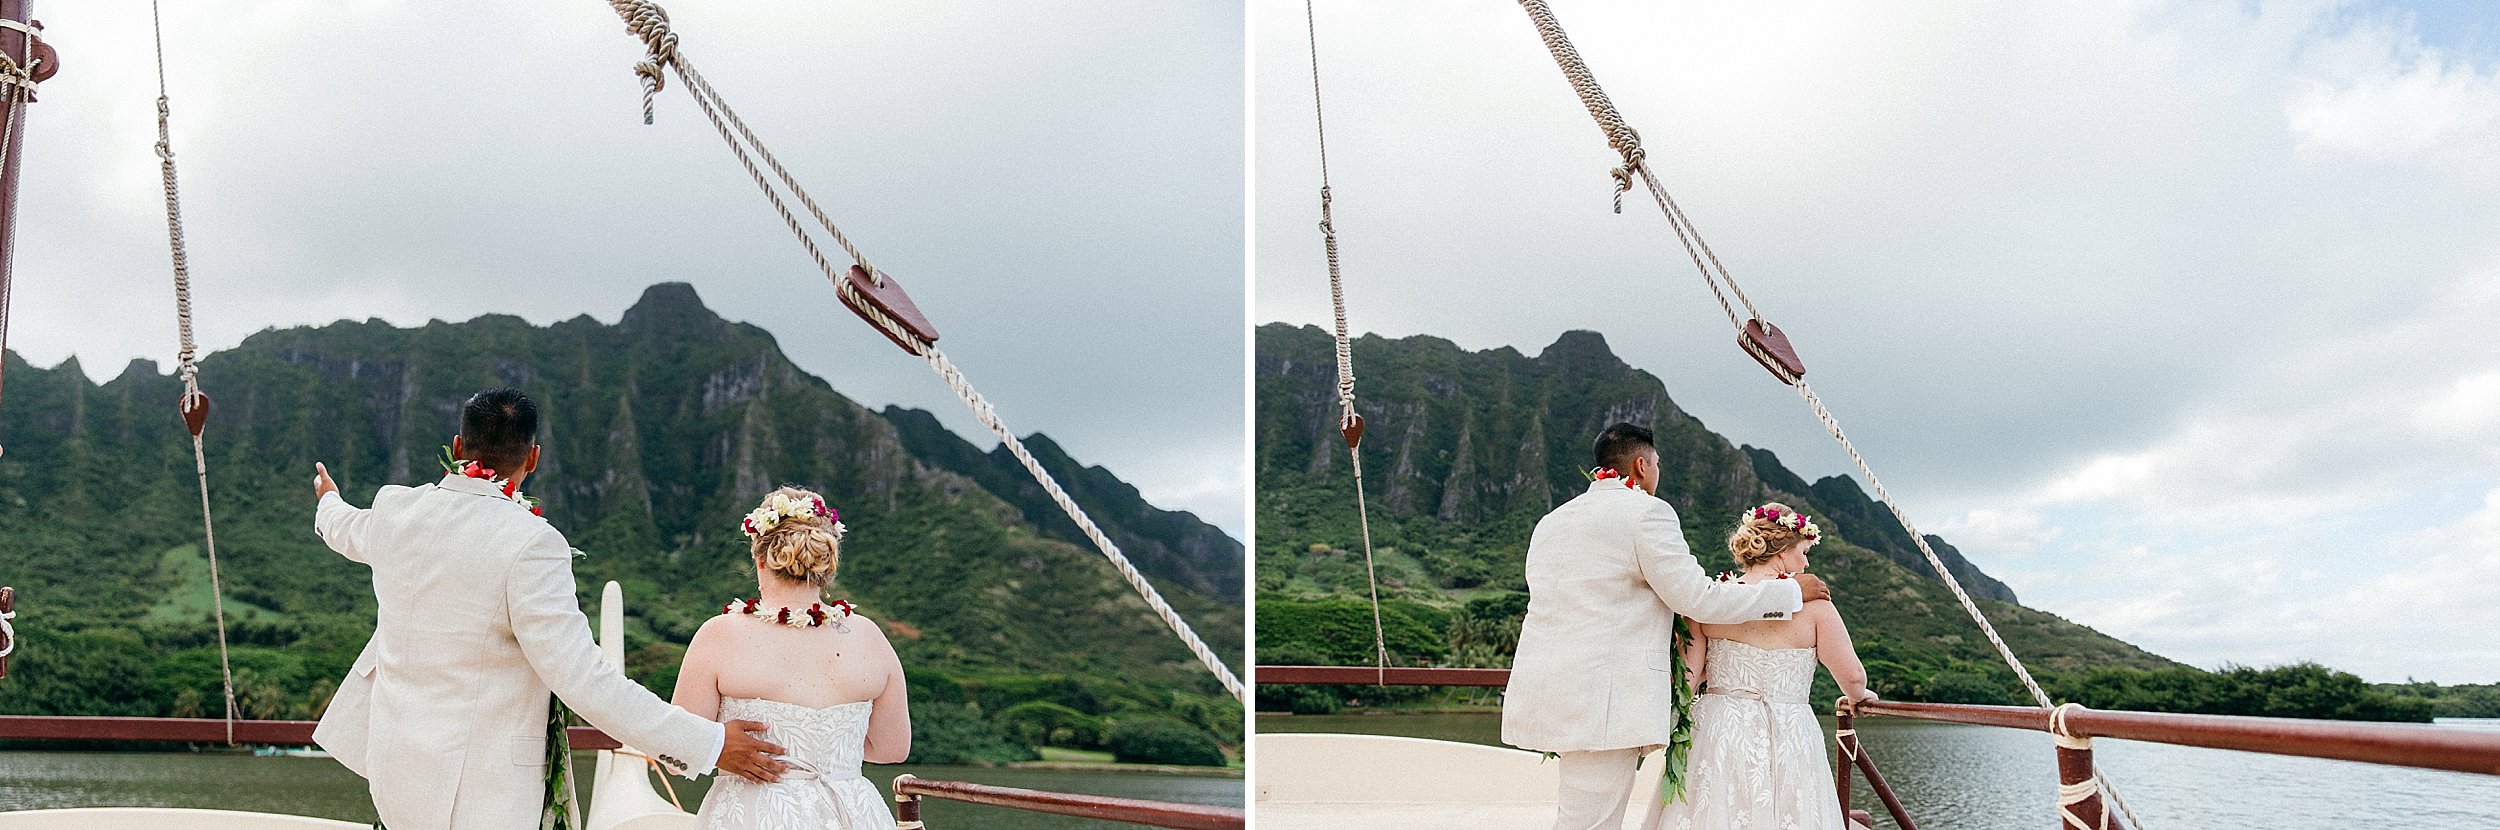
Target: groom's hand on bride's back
(1813,588)
(748,756)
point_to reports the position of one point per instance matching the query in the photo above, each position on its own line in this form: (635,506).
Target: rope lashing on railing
(877,298)
(1750,330)
(1349,422)
(194,403)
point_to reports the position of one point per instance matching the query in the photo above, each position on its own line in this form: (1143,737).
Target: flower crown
(1793,521)
(779,506)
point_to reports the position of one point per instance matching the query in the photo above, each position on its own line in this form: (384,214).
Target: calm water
(1956,777)
(320,787)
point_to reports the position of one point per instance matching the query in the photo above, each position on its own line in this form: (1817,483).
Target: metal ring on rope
(649,23)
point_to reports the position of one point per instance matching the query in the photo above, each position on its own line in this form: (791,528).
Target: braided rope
(191,396)
(1626,143)
(647,21)
(8,633)
(1346,418)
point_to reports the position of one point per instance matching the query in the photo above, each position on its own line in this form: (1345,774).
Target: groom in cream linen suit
(1592,681)
(445,712)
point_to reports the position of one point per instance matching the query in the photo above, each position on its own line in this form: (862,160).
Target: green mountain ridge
(659,431)
(1464,451)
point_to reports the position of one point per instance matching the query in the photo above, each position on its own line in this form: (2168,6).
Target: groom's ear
(531,465)
(458,451)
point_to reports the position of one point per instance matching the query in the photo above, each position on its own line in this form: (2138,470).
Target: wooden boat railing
(910,789)
(2391,744)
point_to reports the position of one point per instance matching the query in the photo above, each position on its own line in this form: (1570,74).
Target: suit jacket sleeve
(555,636)
(1668,565)
(342,525)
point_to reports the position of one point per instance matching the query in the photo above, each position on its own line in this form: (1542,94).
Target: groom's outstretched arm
(339,524)
(555,636)
(1676,577)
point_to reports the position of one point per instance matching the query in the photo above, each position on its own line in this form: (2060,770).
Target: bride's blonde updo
(1763,532)
(795,535)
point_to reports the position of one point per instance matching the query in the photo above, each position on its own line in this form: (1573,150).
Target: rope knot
(2058,731)
(648,22)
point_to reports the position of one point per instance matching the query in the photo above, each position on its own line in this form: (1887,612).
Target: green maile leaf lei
(1679,741)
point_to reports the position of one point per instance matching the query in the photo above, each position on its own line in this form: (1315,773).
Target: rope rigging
(1349,422)
(874,296)
(1759,339)
(194,403)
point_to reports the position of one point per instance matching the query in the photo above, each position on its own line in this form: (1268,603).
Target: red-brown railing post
(2079,804)
(906,805)
(1844,738)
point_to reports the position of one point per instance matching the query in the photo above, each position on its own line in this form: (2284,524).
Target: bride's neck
(1757,573)
(772,590)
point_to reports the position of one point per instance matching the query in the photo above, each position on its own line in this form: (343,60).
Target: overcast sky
(2176,316)
(1059,184)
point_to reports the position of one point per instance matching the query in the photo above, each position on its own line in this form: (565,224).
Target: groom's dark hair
(1619,444)
(497,427)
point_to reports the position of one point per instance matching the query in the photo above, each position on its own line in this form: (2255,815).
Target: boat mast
(25,60)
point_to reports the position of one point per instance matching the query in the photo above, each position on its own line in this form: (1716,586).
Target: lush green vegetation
(658,432)
(1465,451)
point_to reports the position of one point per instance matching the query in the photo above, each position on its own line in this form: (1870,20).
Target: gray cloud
(1059,184)
(2020,248)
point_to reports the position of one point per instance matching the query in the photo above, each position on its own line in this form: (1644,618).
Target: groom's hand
(747,756)
(1813,588)
(322,485)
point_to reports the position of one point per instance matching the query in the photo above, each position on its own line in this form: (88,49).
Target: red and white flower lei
(511,490)
(815,614)
(1603,473)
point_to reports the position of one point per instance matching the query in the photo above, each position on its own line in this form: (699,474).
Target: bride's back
(842,661)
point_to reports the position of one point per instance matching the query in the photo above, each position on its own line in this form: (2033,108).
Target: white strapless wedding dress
(1758,760)
(822,790)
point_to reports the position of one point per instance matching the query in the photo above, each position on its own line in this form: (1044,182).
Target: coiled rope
(1348,422)
(1627,144)
(193,400)
(647,21)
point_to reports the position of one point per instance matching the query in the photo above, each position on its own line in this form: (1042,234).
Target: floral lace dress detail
(1758,761)
(822,789)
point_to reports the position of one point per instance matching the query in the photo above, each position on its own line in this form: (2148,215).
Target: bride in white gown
(823,678)
(1758,760)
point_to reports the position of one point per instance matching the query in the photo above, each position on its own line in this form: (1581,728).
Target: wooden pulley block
(888,299)
(1353,432)
(195,411)
(1769,347)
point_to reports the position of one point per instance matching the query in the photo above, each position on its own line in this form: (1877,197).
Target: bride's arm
(698,675)
(889,719)
(1832,646)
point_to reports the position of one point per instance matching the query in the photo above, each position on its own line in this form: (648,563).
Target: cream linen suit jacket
(445,712)
(1607,573)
